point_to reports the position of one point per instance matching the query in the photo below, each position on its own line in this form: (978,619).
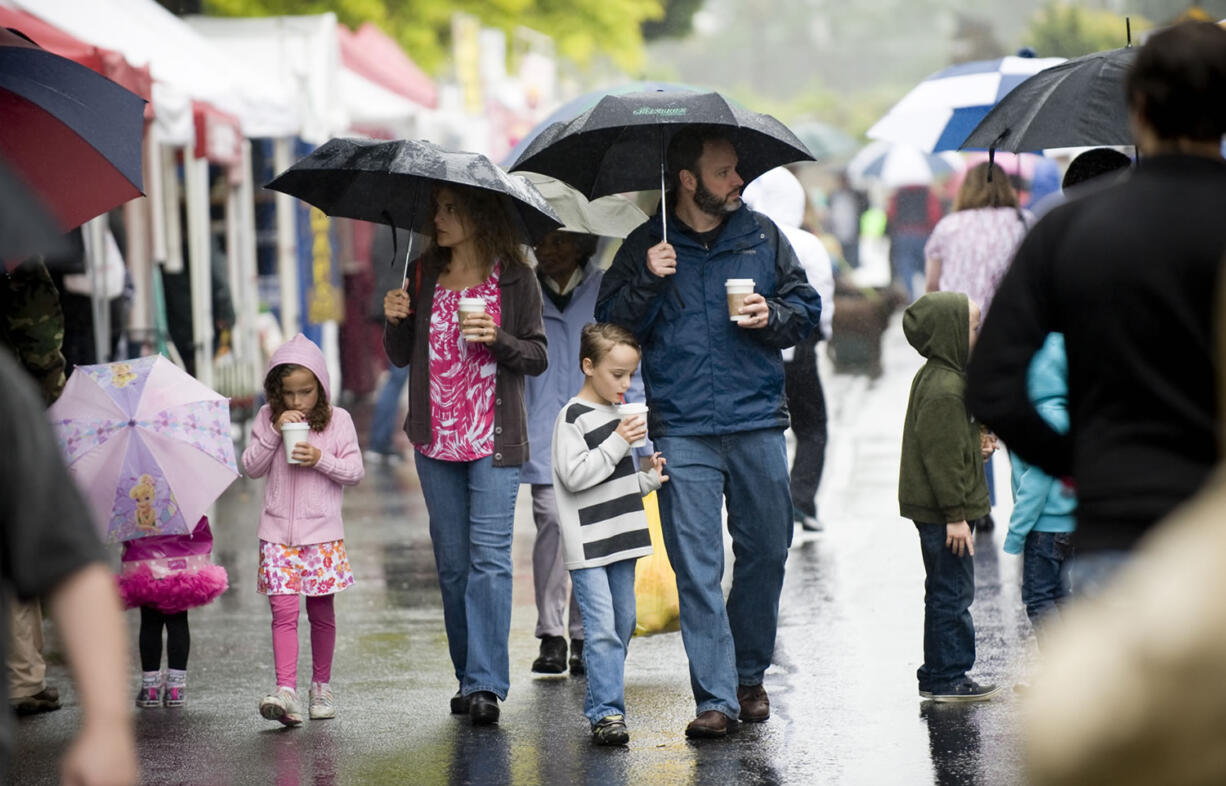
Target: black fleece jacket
(1128,274)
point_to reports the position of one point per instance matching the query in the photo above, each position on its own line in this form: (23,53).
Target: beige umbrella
(610,216)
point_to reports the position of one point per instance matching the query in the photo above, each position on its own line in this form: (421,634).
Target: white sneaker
(322,704)
(283,706)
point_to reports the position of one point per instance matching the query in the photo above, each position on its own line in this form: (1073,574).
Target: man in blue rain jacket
(717,411)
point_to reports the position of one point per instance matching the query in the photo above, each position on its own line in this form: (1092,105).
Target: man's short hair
(685,148)
(1094,163)
(1178,81)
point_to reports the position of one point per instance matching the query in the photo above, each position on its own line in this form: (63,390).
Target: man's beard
(712,205)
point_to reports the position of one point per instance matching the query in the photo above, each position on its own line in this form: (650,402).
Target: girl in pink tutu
(302,546)
(165,575)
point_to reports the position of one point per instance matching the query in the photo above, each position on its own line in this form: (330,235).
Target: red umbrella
(73,135)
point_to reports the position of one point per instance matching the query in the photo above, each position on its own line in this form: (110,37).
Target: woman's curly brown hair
(317,418)
(490,217)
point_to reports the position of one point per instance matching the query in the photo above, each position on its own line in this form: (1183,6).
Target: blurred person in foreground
(48,548)
(1127,274)
(1133,686)
(32,328)
(715,387)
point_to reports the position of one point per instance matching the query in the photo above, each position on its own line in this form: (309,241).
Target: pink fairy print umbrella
(148,445)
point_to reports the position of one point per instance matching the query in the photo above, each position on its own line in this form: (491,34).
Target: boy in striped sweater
(600,510)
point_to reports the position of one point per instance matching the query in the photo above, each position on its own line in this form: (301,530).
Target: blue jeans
(383,422)
(472,517)
(949,589)
(1044,575)
(606,603)
(727,645)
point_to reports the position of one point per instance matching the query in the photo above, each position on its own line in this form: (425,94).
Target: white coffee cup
(634,408)
(737,289)
(291,435)
(469,307)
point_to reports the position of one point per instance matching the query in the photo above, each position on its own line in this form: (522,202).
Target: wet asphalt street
(843,690)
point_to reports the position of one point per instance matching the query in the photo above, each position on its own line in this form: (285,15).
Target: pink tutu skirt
(171,591)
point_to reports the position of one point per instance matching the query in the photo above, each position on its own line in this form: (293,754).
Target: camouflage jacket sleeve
(33,326)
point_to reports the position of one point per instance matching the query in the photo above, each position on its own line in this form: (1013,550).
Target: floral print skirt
(314,569)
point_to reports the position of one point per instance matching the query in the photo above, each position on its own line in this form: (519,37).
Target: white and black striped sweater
(599,491)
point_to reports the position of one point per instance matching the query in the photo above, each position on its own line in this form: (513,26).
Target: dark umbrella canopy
(392,183)
(72,134)
(26,226)
(1080,102)
(618,145)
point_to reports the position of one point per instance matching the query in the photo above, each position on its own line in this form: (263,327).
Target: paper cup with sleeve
(737,289)
(468,307)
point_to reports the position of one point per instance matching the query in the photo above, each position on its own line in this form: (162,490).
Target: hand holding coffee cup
(633,427)
(294,437)
(395,306)
(476,325)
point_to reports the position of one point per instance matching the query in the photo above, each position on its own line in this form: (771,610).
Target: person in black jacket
(1127,273)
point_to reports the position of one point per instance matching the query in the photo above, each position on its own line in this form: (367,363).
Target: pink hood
(302,351)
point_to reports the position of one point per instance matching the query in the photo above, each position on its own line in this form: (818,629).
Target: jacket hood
(303,352)
(779,195)
(1048,376)
(938,326)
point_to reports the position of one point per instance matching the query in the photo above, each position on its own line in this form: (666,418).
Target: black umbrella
(1080,102)
(619,145)
(26,225)
(391,183)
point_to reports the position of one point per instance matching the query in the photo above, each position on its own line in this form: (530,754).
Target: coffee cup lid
(295,426)
(739,282)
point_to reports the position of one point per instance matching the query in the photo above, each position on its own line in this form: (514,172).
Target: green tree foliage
(677,21)
(581,29)
(1064,30)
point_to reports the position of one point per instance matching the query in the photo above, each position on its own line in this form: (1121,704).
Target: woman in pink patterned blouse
(971,248)
(467,421)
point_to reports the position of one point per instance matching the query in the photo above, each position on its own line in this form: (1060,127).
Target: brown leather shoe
(755,704)
(711,723)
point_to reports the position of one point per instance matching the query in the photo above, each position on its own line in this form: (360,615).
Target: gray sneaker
(282,705)
(611,730)
(322,704)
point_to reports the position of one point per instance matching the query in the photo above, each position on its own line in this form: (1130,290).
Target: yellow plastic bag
(657,607)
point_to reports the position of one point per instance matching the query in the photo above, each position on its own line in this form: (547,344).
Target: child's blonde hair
(598,338)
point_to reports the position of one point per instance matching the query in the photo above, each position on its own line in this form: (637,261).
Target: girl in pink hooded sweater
(302,547)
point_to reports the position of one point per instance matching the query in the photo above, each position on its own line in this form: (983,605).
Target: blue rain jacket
(1040,502)
(703,373)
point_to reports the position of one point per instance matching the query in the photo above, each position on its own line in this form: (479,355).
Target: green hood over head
(938,326)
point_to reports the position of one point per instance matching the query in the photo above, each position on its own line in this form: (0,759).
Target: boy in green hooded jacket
(941,488)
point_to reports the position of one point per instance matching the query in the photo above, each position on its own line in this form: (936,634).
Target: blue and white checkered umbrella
(941,111)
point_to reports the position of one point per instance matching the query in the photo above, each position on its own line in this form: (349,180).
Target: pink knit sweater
(302,505)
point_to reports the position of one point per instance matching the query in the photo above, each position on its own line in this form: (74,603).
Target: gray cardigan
(519,349)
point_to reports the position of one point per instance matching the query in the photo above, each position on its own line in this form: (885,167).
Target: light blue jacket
(544,395)
(1040,502)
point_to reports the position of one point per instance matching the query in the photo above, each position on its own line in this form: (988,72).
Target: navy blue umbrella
(72,134)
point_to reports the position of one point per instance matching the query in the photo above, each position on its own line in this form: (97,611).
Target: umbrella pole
(408,254)
(663,198)
(663,205)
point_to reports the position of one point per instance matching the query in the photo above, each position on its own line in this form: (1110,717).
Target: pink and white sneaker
(150,695)
(175,693)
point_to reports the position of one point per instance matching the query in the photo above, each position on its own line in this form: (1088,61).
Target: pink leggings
(285,637)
